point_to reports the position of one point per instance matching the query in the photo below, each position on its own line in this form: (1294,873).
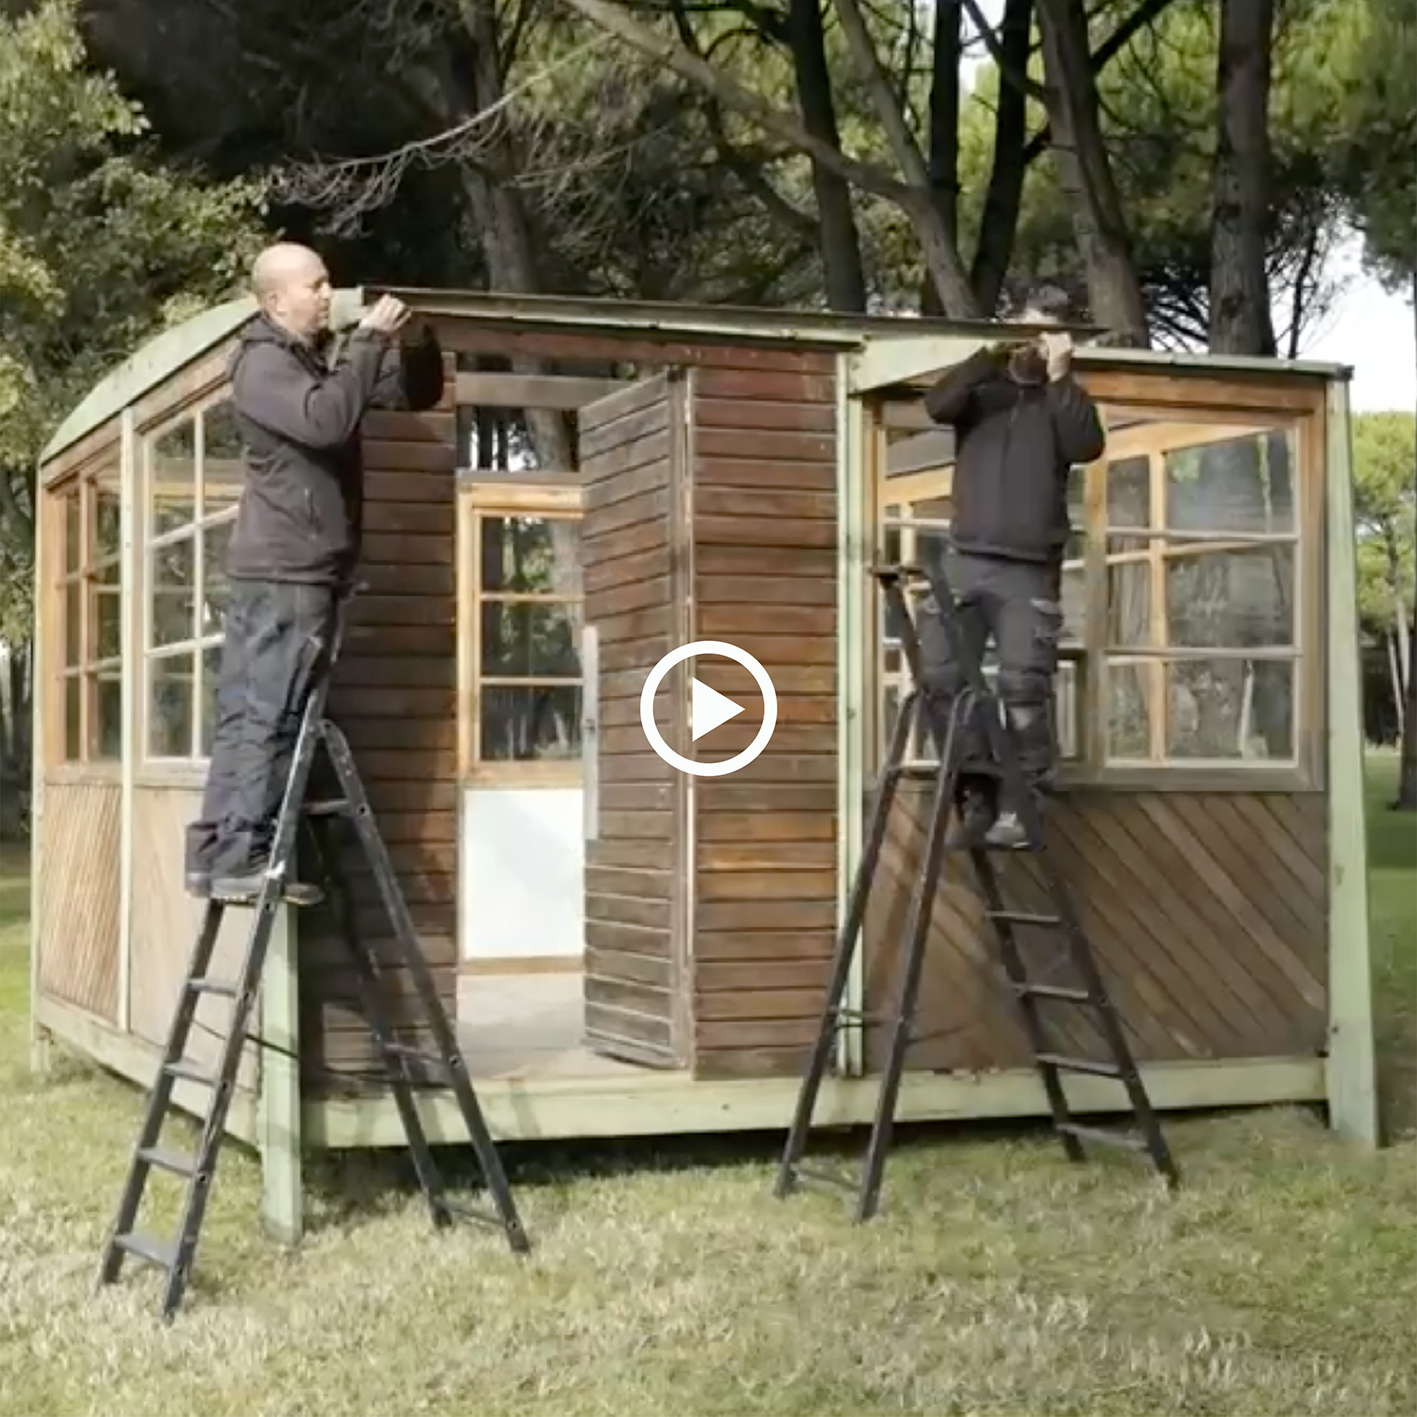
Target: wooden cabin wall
(394,695)
(764,529)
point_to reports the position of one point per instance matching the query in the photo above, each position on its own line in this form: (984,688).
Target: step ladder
(317,819)
(1089,994)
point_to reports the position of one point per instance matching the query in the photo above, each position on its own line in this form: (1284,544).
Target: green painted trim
(670,1104)
(278,1104)
(160,358)
(1352,1064)
(137,1060)
(851,682)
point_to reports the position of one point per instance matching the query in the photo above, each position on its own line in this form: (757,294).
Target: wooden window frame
(194,648)
(1203,405)
(478,501)
(81,484)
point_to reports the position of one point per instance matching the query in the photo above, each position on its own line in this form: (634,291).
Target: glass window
(1202,609)
(193,484)
(89,604)
(528,634)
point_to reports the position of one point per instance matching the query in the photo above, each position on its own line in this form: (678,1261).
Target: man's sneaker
(246,889)
(976,817)
(1007,832)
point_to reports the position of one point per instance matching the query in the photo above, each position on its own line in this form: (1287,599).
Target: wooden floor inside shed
(530,1026)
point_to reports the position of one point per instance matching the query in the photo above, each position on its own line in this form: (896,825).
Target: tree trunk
(1085,172)
(943,161)
(1240,320)
(1394,665)
(840,240)
(1407,775)
(999,223)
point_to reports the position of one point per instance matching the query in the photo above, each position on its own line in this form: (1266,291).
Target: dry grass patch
(665,1279)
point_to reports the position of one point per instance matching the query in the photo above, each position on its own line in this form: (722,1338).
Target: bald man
(298,402)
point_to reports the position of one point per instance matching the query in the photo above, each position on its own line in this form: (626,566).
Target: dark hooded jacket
(299,409)
(1014,445)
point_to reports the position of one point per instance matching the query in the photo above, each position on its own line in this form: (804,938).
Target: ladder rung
(327,807)
(417,1055)
(825,1178)
(154,1252)
(174,1161)
(1023,917)
(467,1212)
(1081,1065)
(1103,1136)
(847,1017)
(228,988)
(1055,991)
(190,1072)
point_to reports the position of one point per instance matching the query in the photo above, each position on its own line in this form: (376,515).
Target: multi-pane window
(1202,633)
(526,636)
(90,597)
(192,478)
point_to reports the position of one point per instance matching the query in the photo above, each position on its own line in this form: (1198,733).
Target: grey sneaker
(1007,832)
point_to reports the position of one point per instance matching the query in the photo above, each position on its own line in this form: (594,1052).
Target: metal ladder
(974,697)
(176,1256)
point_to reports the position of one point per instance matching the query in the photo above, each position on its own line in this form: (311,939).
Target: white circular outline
(690,651)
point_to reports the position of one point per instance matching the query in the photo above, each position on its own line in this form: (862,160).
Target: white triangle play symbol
(708,708)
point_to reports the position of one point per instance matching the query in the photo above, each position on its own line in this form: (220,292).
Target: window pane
(170,707)
(73,610)
(107,542)
(108,716)
(1241,484)
(531,554)
(73,531)
(172,471)
(171,591)
(108,622)
(1231,708)
(1129,492)
(1129,711)
(211,677)
(1231,599)
(222,468)
(1074,604)
(523,722)
(1067,723)
(73,688)
(214,583)
(1129,603)
(528,639)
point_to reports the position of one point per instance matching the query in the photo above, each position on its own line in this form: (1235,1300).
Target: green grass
(666,1280)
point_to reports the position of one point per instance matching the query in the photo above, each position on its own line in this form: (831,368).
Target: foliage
(1384,449)
(101,245)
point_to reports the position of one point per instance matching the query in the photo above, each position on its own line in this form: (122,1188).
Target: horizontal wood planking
(765,533)
(394,696)
(633,883)
(1207,912)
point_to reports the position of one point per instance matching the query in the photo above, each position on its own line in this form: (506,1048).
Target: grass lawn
(999,1279)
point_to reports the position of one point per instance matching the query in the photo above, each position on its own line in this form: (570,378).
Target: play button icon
(708,709)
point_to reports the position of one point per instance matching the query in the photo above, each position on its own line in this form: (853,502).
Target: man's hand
(1057,348)
(387,317)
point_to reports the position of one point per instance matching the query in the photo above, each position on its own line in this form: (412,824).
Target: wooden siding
(78,902)
(1207,911)
(632,553)
(764,575)
(164,926)
(394,696)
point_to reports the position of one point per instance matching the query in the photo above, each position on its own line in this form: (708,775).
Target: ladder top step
(228,988)
(1055,991)
(1081,1065)
(1023,917)
(1104,1136)
(327,807)
(176,1162)
(190,1072)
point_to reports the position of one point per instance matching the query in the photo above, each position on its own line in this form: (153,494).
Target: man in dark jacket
(1020,421)
(298,400)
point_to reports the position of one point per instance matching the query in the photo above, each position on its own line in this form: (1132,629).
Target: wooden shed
(632,949)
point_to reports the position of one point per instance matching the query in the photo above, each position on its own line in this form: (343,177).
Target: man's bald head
(292,287)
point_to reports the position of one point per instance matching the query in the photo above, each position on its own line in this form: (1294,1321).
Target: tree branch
(1009,72)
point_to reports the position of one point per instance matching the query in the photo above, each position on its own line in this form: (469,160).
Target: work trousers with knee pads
(1018,607)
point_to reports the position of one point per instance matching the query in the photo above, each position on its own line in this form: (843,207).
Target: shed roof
(166,353)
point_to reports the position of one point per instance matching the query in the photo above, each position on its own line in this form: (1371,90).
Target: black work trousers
(1018,607)
(277,642)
